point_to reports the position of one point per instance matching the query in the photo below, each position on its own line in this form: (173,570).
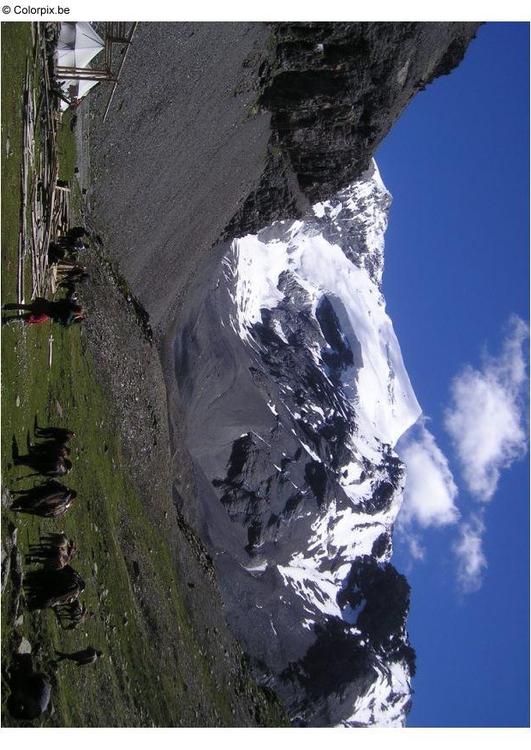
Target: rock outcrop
(334,91)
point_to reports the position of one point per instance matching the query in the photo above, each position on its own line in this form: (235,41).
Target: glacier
(296,399)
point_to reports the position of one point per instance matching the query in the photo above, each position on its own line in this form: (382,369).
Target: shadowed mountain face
(334,91)
(238,196)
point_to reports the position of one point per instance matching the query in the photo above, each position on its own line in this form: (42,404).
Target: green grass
(135,683)
(105,499)
(66,147)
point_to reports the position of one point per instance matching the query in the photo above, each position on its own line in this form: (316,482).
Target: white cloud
(430,491)
(416,550)
(468,550)
(486,422)
(485,419)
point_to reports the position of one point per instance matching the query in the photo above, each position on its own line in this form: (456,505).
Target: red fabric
(36,319)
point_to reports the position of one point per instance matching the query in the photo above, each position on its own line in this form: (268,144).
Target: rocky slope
(218,129)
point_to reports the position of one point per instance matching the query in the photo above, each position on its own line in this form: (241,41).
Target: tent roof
(78,44)
(75,89)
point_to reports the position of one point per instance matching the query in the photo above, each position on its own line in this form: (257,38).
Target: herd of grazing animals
(54,583)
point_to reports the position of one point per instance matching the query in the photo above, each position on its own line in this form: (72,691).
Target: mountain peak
(300,457)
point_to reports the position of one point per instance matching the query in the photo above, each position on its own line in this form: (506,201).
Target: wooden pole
(111,95)
(50,350)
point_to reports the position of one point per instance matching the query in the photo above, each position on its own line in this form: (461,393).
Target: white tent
(78,44)
(75,89)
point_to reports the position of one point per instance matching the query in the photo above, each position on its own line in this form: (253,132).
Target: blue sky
(457,268)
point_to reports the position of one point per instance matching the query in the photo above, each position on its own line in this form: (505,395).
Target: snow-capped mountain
(295,400)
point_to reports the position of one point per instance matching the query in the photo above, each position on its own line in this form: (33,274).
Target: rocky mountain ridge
(244,124)
(334,91)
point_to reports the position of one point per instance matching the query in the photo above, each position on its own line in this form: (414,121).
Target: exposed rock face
(334,91)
